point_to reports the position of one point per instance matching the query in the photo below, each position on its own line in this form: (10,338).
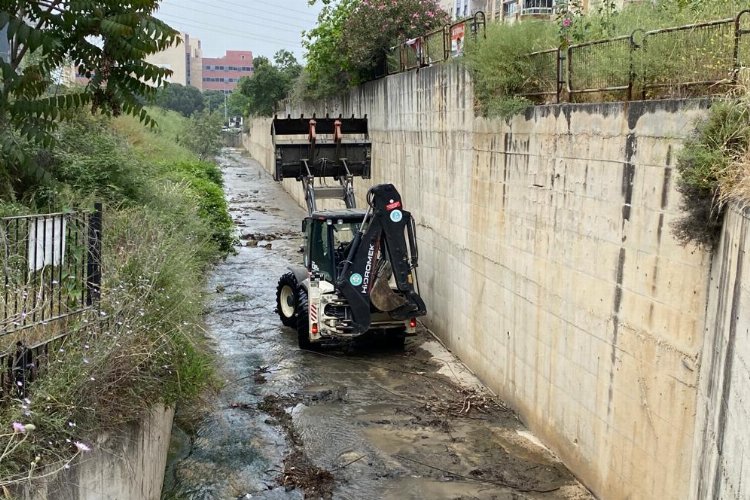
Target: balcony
(516,9)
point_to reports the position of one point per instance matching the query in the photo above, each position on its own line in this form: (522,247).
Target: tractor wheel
(303,320)
(286,299)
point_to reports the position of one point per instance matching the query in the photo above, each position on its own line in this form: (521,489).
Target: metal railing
(21,365)
(671,62)
(705,54)
(50,267)
(436,46)
(544,80)
(51,274)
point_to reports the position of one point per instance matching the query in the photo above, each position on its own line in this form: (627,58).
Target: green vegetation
(186,100)
(348,46)
(502,70)
(271,82)
(714,169)
(47,35)
(165,222)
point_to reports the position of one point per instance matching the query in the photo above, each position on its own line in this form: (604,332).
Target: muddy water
(408,424)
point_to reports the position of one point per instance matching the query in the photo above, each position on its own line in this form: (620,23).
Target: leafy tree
(326,72)
(374,26)
(237,102)
(270,82)
(106,40)
(213,99)
(184,99)
(203,134)
(349,42)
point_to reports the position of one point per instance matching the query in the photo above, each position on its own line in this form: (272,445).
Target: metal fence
(436,46)
(544,79)
(50,270)
(697,59)
(600,66)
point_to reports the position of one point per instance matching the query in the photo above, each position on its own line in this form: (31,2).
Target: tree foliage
(213,99)
(374,26)
(186,100)
(349,42)
(202,135)
(106,41)
(270,83)
(326,72)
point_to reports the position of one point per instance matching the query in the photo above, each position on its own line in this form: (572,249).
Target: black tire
(303,320)
(286,290)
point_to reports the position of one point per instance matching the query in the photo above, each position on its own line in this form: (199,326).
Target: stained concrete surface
(384,423)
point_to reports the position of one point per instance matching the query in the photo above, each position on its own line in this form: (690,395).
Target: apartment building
(223,73)
(511,10)
(183,59)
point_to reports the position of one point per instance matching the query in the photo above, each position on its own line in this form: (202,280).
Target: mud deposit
(360,423)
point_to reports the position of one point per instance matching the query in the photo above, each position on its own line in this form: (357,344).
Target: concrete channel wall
(548,265)
(722,440)
(122,466)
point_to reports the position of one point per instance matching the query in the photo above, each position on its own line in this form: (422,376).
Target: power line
(222,17)
(286,9)
(252,15)
(218,29)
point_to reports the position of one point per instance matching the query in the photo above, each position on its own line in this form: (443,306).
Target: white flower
(82,447)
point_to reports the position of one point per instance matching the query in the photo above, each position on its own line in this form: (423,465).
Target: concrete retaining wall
(722,439)
(548,264)
(125,466)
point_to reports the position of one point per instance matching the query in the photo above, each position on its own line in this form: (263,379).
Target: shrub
(146,348)
(712,169)
(202,135)
(499,66)
(209,197)
(374,26)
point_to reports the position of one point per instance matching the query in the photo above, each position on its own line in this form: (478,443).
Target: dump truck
(359,271)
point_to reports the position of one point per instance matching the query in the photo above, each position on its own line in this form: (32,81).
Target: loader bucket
(321,147)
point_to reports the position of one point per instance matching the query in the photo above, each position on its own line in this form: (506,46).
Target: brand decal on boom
(368,268)
(355,279)
(396,216)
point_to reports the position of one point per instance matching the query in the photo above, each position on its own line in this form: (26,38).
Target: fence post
(94,261)
(560,60)
(631,71)
(738,32)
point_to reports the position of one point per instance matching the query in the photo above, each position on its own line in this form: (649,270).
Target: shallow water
(387,424)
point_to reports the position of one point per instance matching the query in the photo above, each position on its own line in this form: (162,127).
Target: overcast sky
(263,26)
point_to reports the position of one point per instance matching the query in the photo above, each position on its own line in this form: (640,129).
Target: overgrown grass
(503,72)
(714,170)
(165,222)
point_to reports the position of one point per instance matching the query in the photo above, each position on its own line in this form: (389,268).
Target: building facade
(182,58)
(513,10)
(223,73)
(195,63)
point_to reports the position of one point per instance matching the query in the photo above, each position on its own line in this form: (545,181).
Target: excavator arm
(385,243)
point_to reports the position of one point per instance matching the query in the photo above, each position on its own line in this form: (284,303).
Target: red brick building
(223,73)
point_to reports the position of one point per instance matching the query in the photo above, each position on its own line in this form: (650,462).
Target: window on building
(510,8)
(497,9)
(538,6)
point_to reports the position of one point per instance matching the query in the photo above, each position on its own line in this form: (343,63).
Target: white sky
(262,26)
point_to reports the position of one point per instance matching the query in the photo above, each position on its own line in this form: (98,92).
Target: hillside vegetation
(165,222)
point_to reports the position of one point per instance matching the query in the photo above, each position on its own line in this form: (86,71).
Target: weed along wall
(548,265)
(126,465)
